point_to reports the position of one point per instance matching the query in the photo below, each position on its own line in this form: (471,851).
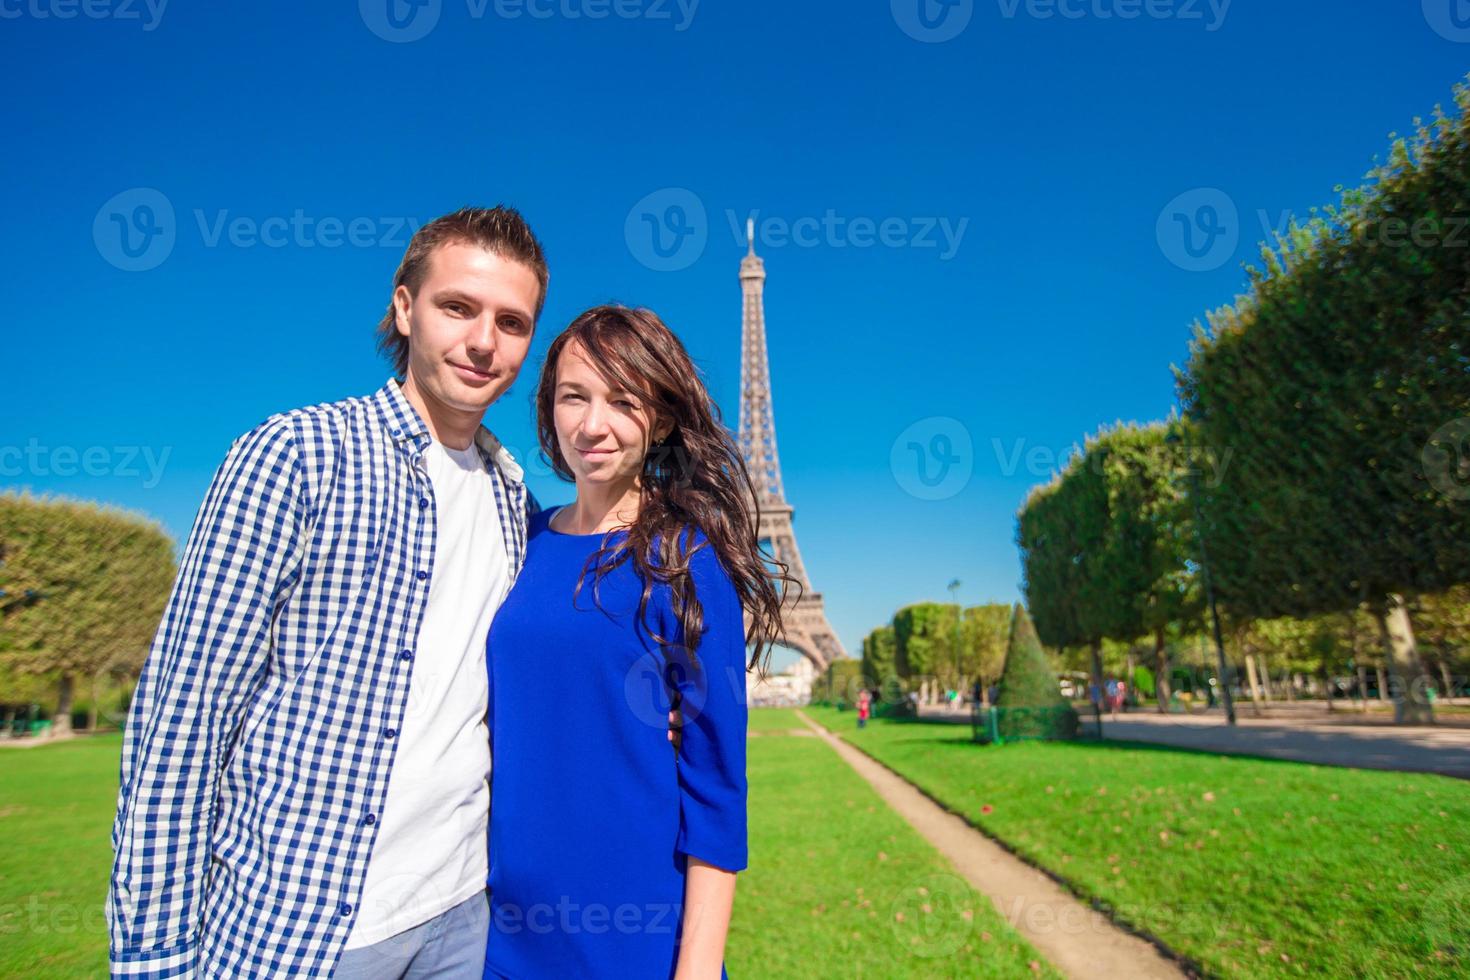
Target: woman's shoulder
(542,518)
(707,567)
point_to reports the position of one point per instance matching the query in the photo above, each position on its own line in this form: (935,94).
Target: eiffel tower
(805,619)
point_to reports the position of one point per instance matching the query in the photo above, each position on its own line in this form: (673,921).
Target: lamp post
(954,595)
(1204,567)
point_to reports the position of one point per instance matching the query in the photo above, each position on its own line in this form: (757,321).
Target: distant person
(632,594)
(864,707)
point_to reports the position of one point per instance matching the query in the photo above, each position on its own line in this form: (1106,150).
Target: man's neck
(451,427)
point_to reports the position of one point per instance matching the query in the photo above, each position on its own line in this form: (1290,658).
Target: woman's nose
(594,422)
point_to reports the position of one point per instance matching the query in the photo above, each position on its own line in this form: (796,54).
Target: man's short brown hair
(500,229)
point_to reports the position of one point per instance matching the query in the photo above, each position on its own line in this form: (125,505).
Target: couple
(371,607)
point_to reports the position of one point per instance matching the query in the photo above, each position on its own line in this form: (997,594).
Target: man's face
(469,327)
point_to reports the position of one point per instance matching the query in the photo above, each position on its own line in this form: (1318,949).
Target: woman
(610,854)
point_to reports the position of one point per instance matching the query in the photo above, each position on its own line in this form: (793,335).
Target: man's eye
(513,326)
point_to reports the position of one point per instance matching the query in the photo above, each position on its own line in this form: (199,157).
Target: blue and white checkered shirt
(263,727)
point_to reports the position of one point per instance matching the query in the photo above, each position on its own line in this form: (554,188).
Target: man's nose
(481,339)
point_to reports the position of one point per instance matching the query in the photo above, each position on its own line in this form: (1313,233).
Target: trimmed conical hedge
(1030,704)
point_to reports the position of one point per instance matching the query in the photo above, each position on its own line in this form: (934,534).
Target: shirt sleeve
(208,655)
(712,783)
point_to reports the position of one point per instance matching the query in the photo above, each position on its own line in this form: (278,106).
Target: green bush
(1030,704)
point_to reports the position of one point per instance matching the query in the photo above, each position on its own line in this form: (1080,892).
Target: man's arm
(208,655)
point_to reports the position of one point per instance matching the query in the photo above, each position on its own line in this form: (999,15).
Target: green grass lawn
(56,808)
(839,886)
(1251,867)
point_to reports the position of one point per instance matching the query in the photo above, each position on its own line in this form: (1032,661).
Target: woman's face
(603,432)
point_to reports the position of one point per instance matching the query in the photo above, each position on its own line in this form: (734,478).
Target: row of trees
(1321,464)
(82,588)
(952,646)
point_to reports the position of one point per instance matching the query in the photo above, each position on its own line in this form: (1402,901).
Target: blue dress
(592,815)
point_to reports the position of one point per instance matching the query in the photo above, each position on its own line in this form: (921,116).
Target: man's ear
(402,304)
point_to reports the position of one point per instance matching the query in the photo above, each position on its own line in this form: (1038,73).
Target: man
(305,767)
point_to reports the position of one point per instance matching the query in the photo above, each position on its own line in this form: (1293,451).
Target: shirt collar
(403,423)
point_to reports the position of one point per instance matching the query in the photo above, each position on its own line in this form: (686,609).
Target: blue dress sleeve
(712,785)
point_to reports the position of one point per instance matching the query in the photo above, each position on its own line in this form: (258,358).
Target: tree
(1030,703)
(82,589)
(1060,532)
(1443,620)
(923,635)
(1105,547)
(879,649)
(842,681)
(1339,382)
(987,631)
(1147,580)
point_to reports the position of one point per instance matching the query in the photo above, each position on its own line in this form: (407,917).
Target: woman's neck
(601,507)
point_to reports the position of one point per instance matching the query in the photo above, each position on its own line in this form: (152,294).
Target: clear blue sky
(1050,148)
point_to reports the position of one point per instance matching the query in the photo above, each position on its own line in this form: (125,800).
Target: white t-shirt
(430,853)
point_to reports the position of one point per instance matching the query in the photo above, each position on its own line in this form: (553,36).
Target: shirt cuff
(156,964)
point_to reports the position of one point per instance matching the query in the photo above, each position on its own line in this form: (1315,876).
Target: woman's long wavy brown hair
(696,478)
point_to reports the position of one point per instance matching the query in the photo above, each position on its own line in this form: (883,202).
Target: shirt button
(422,575)
(423,501)
(406,655)
(370,819)
(345,908)
(390,733)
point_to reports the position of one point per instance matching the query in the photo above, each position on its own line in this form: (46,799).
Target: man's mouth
(471,373)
